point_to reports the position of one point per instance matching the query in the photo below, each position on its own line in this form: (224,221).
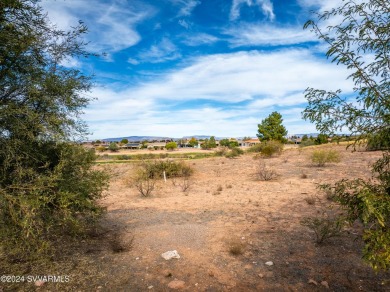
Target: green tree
(321,139)
(360,41)
(171,145)
(124,141)
(271,128)
(212,143)
(224,142)
(113,147)
(193,142)
(304,138)
(48,186)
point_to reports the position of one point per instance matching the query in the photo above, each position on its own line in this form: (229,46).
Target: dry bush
(324,227)
(327,224)
(118,244)
(144,183)
(321,157)
(219,188)
(184,183)
(236,246)
(265,173)
(234,152)
(303,175)
(311,200)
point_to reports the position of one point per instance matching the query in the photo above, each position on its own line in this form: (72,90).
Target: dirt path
(226,211)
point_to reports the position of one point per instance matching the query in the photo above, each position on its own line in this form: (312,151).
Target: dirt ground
(226,210)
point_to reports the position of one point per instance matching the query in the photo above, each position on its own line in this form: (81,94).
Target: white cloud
(188,6)
(112,25)
(184,23)
(199,39)
(232,94)
(266,7)
(265,34)
(164,51)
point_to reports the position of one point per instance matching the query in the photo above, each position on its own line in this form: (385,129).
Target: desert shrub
(219,188)
(234,152)
(265,173)
(113,147)
(156,169)
(311,200)
(143,182)
(321,157)
(221,152)
(101,148)
(306,143)
(267,148)
(236,247)
(44,202)
(255,148)
(271,148)
(324,227)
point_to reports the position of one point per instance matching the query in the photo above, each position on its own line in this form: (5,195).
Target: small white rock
(150,287)
(171,254)
(269,263)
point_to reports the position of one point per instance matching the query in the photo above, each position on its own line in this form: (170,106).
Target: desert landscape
(232,231)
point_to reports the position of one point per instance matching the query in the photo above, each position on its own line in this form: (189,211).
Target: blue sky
(212,67)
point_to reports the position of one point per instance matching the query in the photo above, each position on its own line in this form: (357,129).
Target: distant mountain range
(159,138)
(198,137)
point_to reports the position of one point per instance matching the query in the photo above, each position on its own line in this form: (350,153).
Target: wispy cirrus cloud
(199,39)
(186,6)
(163,51)
(266,7)
(266,34)
(112,25)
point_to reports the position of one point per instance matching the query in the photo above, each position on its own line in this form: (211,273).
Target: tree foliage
(271,128)
(113,147)
(360,41)
(193,142)
(47,184)
(171,145)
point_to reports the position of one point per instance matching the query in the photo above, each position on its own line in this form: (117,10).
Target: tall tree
(360,40)
(271,128)
(47,184)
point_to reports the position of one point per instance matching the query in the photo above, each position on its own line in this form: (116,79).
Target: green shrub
(42,204)
(255,148)
(220,152)
(267,148)
(324,227)
(271,148)
(171,146)
(101,148)
(156,169)
(307,143)
(113,147)
(234,152)
(321,157)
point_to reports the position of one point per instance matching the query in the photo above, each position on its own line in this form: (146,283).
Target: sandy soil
(226,206)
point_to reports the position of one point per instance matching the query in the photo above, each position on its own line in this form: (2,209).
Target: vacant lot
(225,227)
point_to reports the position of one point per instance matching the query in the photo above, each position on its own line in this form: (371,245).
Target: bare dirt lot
(227,228)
